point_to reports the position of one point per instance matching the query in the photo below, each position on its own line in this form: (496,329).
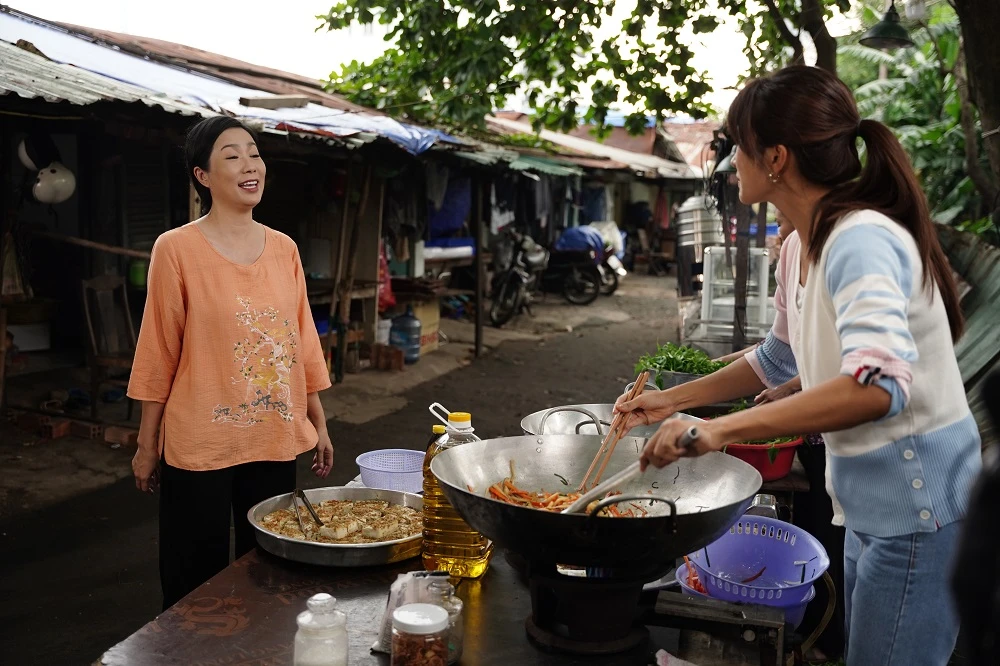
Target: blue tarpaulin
(581,238)
(454,210)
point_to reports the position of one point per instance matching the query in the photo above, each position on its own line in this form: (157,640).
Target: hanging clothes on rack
(437,177)
(502,203)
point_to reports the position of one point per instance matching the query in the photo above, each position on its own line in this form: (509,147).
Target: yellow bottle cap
(439,429)
(460,417)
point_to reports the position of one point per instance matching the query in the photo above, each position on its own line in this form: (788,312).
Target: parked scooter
(533,269)
(612,270)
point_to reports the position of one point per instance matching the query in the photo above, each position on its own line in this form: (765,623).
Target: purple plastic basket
(794,614)
(792,560)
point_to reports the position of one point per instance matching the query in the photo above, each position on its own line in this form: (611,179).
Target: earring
(774,179)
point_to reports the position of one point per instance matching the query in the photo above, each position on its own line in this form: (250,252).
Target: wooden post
(194,203)
(762,224)
(347,284)
(337,266)
(343,316)
(480,188)
(3,352)
(742,270)
(93,245)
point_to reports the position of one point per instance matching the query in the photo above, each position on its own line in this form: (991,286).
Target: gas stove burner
(548,640)
(584,615)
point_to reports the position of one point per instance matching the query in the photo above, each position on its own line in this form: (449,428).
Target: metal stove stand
(761,624)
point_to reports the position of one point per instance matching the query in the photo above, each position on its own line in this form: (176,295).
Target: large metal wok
(331,554)
(696,500)
(582,420)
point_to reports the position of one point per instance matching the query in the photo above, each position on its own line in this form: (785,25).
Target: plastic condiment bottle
(443,594)
(449,543)
(419,635)
(322,636)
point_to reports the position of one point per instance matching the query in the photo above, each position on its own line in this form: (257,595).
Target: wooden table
(246,616)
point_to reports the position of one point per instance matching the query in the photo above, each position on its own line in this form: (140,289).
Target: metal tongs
(300,494)
(621,478)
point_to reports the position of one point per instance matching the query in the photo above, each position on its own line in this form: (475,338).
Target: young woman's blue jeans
(898,603)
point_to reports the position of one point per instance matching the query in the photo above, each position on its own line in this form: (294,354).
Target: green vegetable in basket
(772,450)
(674,358)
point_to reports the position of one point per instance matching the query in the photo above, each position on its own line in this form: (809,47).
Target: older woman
(872,315)
(228,365)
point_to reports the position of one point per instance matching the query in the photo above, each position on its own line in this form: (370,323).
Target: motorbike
(611,270)
(532,269)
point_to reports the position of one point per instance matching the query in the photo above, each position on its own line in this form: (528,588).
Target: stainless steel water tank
(699,225)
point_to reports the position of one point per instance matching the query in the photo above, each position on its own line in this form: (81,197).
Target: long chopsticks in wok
(615,433)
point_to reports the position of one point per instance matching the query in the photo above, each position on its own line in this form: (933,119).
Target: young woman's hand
(664,447)
(323,459)
(648,408)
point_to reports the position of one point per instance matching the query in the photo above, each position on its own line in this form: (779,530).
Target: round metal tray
(333,554)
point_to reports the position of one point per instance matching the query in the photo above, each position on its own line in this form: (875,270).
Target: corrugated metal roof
(648,166)
(620,138)
(546,166)
(693,139)
(239,72)
(205,90)
(29,75)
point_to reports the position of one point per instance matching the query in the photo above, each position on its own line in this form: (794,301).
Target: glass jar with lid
(322,636)
(419,635)
(442,593)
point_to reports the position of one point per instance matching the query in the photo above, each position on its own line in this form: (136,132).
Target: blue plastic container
(405,334)
(791,560)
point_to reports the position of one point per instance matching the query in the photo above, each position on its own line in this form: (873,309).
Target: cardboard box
(668,247)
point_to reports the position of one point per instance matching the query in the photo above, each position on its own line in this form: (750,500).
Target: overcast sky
(281,33)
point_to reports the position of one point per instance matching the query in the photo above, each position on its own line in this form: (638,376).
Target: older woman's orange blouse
(231,350)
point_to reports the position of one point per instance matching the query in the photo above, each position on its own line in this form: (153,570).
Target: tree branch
(786,33)
(977,174)
(942,63)
(815,25)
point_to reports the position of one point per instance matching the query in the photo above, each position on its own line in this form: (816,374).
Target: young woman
(873,314)
(228,365)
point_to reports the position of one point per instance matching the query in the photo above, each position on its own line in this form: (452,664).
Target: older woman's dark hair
(198,149)
(813,114)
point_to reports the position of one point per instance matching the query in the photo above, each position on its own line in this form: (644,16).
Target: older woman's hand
(648,408)
(323,459)
(664,447)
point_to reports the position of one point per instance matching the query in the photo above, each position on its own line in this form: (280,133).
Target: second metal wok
(579,420)
(708,494)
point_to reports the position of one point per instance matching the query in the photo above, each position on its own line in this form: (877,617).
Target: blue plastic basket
(794,613)
(792,560)
(393,469)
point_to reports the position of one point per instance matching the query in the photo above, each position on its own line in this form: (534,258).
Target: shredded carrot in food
(506,491)
(693,581)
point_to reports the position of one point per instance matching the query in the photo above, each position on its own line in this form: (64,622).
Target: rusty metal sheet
(29,75)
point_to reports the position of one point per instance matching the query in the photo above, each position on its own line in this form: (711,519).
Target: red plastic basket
(757,456)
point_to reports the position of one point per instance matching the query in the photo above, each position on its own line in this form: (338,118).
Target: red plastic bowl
(757,456)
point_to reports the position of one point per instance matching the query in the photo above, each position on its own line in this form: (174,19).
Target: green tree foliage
(920,101)
(453,62)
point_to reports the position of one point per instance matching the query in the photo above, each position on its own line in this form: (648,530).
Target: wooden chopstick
(615,424)
(615,433)
(641,385)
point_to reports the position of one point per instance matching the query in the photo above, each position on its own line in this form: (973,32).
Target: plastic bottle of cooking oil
(449,543)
